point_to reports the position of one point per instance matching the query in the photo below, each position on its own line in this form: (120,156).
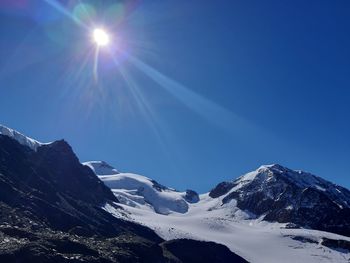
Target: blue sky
(189,93)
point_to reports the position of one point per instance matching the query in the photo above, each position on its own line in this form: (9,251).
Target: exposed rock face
(336,244)
(50,211)
(159,187)
(283,195)
(51,185)
(191,196)
(221,189)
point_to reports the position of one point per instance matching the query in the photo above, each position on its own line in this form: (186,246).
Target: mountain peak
(22,139)
(101,168)
(284,195)
(276,172)
(275,169)
(279,172)
(274,166)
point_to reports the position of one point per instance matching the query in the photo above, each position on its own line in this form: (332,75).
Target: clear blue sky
(189,93)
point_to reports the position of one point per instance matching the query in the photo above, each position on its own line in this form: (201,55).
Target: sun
(100,37)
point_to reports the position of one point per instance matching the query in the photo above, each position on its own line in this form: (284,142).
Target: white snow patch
(290,207)
(19,137)
(320,188)
(139,191)
(136,190)
(101,168)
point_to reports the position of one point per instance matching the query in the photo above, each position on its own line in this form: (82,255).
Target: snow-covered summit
(22,139)
(101,168)
(142,192)
(266,175)
(276,171)
(280,194)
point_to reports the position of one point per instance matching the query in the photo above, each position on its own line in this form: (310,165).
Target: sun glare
(101,37)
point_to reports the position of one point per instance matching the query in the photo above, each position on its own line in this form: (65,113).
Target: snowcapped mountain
(279,194)
(144,193)
(49,200)
(101,168)
(259,216)
(19,137)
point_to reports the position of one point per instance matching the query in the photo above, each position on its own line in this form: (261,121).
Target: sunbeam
(95,69)
(202,106)
(149,116)
(144,106)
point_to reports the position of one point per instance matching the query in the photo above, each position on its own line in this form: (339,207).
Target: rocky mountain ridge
(280,194)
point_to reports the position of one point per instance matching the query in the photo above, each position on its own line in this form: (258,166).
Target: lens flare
(101,37)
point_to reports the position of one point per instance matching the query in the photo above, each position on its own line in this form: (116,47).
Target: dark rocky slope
(193,251)
(50,211)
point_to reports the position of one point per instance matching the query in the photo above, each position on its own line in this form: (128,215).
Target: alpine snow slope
(278,230)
